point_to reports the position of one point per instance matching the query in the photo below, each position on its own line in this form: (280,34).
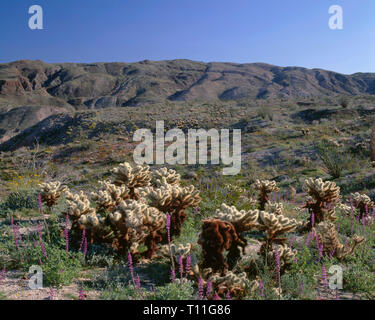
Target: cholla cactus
(83,216)
(164,176)
(286,256)
(235,284)
(92,221)
(137,223)
(78,205)
(132,177)
(216,237)
(174,200)
(275,207)
(51,192)
(323,197)
(363,203)
(241,220)
(110,195)
(343,207)
(327,235)
(265,187)
(274,225)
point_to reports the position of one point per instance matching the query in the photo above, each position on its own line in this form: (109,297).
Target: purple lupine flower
(307,239)
(209,288)
(181,266)
(51,293)
(82,239)
(320,251)
(188,264)
(40,203)
(331,254)
(301,288)
(227,296)
(81,295)
(66,233)
(338,227)
(200,288)
(216,297)
(15,234)
(324,276)
(261,288)
(42,247)
(351,226)
(312,219)
(173,275)
(277,258)
(85,247)
(168,222)
(130,264)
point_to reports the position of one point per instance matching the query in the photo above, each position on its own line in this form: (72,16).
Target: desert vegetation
(101,227)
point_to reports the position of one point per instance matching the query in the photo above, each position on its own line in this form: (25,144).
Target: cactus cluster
(363,203)
(323,196)
(51,192)
(225,232)
(132,210)
(328,237)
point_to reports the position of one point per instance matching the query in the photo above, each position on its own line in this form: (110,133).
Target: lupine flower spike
(200,289)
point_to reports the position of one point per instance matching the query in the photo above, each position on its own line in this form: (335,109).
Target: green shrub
(59,267)
(23,199)
(334,160)
(344,102)
(265,112)
(175,291)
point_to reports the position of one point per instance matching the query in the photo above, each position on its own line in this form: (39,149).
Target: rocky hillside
(31,91)
(101,85)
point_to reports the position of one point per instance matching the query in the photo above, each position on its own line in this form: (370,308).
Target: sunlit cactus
(169,176)
(275,226)
(265,187)
(132,177)
(236,284)
(51,192)
(328,237)
(322,200)
(363,203)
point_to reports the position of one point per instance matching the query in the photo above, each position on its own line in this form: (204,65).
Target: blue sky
(285,33)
